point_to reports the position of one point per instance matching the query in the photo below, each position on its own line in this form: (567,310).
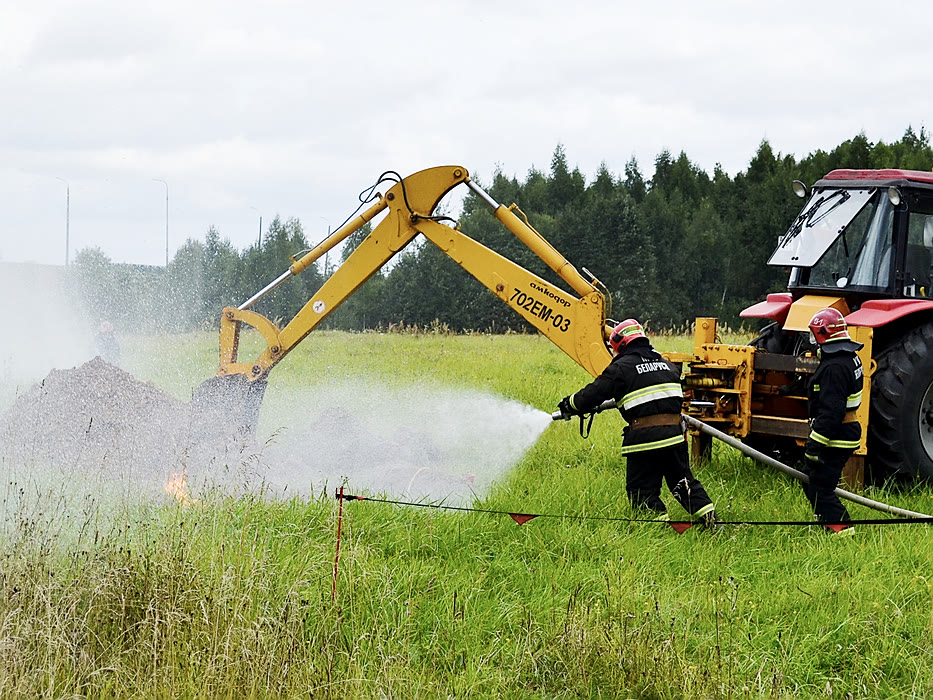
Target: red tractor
(862,244)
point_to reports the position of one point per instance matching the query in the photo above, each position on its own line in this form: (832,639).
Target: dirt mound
(96,425)
(98,417)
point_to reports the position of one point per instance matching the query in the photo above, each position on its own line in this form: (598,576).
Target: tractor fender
(880,312)
(775,307)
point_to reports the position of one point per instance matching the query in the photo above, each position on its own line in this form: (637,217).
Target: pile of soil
(97,423)
(98,417)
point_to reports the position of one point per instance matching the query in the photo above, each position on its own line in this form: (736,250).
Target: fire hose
(765,459)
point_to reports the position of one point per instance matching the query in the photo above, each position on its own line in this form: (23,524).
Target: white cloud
(293,108)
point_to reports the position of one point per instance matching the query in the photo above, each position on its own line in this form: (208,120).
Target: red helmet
(624,333)
(828,325)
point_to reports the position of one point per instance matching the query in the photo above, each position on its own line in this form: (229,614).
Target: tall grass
(232,596)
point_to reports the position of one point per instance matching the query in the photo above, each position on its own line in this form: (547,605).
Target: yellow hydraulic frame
(576,323)
(738,388)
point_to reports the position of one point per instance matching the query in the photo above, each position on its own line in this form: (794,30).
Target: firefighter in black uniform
(648,393)
(833,394)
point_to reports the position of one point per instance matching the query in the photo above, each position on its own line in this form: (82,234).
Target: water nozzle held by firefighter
(565,413)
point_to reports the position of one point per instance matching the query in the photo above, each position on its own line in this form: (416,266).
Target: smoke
(413,443)
(423,443)
(44,327)
(94,433)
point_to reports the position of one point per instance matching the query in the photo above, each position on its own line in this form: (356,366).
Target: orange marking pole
(333,592)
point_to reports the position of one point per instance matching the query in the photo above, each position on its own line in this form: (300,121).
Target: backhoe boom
(576,323)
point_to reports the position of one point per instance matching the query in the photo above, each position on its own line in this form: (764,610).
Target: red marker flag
(521,518)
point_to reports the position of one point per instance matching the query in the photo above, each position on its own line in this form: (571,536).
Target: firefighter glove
(565,408)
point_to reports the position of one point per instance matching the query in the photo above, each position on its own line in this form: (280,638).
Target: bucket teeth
(229,403)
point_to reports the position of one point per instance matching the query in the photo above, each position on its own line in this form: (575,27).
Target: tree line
(679,245)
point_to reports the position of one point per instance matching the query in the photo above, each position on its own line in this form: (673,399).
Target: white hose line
(800,476)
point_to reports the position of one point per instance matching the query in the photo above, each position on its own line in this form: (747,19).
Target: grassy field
(236,596)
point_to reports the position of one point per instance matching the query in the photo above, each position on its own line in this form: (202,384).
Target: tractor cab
(863,234)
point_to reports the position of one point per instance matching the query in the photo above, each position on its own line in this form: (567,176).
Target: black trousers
(825,472)
(645,471)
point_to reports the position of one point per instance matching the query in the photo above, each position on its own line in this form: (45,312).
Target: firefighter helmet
(624,333)
(828,325)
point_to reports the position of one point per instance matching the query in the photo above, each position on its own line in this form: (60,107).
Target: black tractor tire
(900,424)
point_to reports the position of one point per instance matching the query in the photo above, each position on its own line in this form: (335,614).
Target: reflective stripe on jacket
(629,446)
(834,389)
(643,384)
(652,393)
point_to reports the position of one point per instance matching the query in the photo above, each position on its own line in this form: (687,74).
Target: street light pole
(327,254)
(67,214)
(155,179)
(260,225)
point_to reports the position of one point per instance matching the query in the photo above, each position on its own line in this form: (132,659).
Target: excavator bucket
(229,404)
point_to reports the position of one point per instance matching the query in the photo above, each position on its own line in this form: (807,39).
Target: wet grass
(236,596)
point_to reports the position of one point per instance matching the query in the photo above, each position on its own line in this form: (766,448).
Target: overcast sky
(293,108)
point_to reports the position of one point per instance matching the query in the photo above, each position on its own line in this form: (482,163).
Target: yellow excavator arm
(575,322)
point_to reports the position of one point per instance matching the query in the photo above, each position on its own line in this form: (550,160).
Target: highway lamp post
(155,179)
(327,254)
(260,225)
(67,215)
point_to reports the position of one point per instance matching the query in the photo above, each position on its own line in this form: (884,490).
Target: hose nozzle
(604,406)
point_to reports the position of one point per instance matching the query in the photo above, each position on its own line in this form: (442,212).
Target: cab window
(919,255)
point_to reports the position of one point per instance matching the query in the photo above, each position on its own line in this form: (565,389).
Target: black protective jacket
(834,390)
(643,384)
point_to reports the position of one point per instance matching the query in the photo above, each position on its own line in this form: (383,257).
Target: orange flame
(177,486)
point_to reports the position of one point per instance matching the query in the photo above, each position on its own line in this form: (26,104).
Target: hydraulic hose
(800,476)
(770,461)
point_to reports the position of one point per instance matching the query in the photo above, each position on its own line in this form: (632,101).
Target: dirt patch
(96,417)
(97,424)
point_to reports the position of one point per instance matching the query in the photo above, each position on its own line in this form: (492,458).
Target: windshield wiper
(808,217)
(843,198)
